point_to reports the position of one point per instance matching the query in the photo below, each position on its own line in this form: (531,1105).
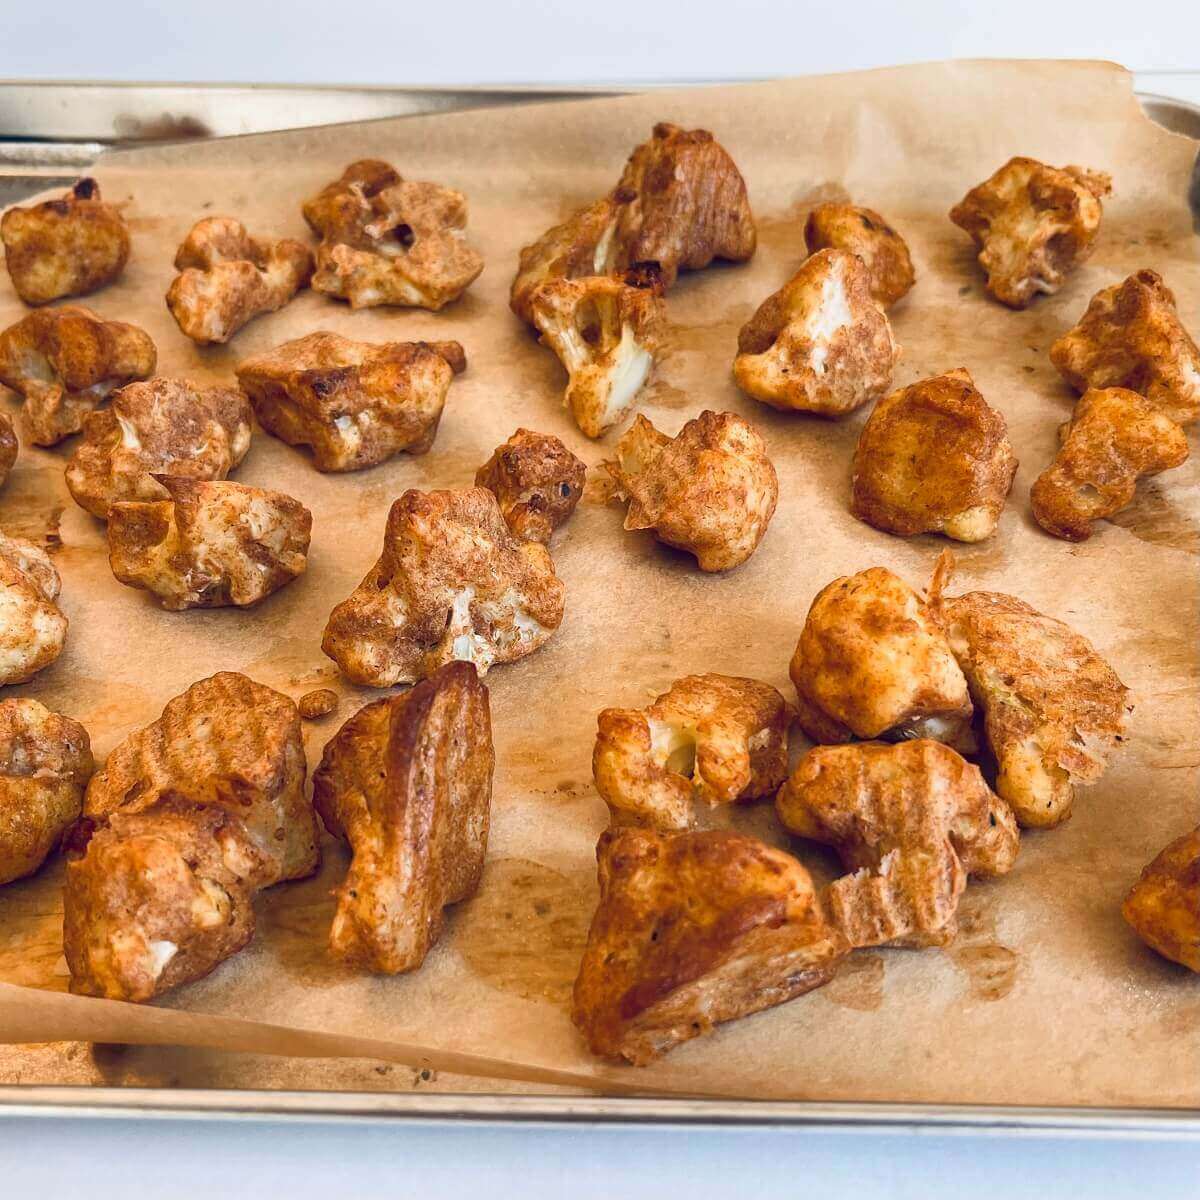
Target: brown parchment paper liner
(1046,997)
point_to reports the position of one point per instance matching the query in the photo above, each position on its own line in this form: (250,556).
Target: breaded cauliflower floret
(1131,337)
(227,278)
(407,782)
(694,929)
(8,447)
(45,763)
(872,662)
(910,822)
(65,247)
(934,457)
(680,203)
(1033,225)
(32,626)
(451,584)
(537,482)
(163,427)
(1113,439)
(710,490)
(1163,907)
(66,362)
(387,240)
(711,738)
(209,544)
(353,404)
(1053,709)
(820,344)
(607,335)
(864,232)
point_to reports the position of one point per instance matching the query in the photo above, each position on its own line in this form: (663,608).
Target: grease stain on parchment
(990,967)
(1152,518)
(859,983)
(31,936)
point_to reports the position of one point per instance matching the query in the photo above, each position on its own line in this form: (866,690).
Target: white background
(473,42)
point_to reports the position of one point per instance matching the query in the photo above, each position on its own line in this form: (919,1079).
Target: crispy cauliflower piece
(607,335)
(209,544)
(45,763)
(911,822)
(1163,907)
(1053,709)
(694,929)
(537,482)
(1033,225)
(353,404)
(227,278)
(32,626)
(710,490)
(711,738)
(1112,440)
(680,203)
(160,427)
(872,662)
(934,457)
(864,232)
(8,447)
(1131,337)
(65,247)
(188,818)
(387,240)
(820,344)
(407,781)
(451,584)
(65,362)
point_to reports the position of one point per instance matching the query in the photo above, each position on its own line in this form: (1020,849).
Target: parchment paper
(1046,997)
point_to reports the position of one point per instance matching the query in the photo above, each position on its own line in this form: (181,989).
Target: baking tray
(50,132)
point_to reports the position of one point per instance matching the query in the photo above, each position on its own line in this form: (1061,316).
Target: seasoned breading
(32,626)
(160,427)
(65,362)
(8,447)
(864,232)
(693,929)
(714,739)
(353,404)
(1163,907)
(64,247)
(1033,225)
(407,781)
(710,490)
(820,344)
(537,482)
(910,822)
(451,584)
(933,457)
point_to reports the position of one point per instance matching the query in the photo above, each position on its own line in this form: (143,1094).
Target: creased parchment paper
(1046,997)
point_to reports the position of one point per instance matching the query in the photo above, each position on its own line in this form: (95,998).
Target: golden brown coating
(1131,337)
(537,482)
(1112,440)
(387,240)
(407,782)
(872,662)
(1164,905)
(209,544)
(227,278)
(693,929)
(317,704)
(45,763)
(1053,709)
(65,362)
(680,203)
(820,344)
(159,427)
(864,232)
(353,404)
(451,584)
(64,247)
(1033,225)
(32,626)
(933,457)
(8,447)
(710,490)
(910,822)
(607,335)
(714,739)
